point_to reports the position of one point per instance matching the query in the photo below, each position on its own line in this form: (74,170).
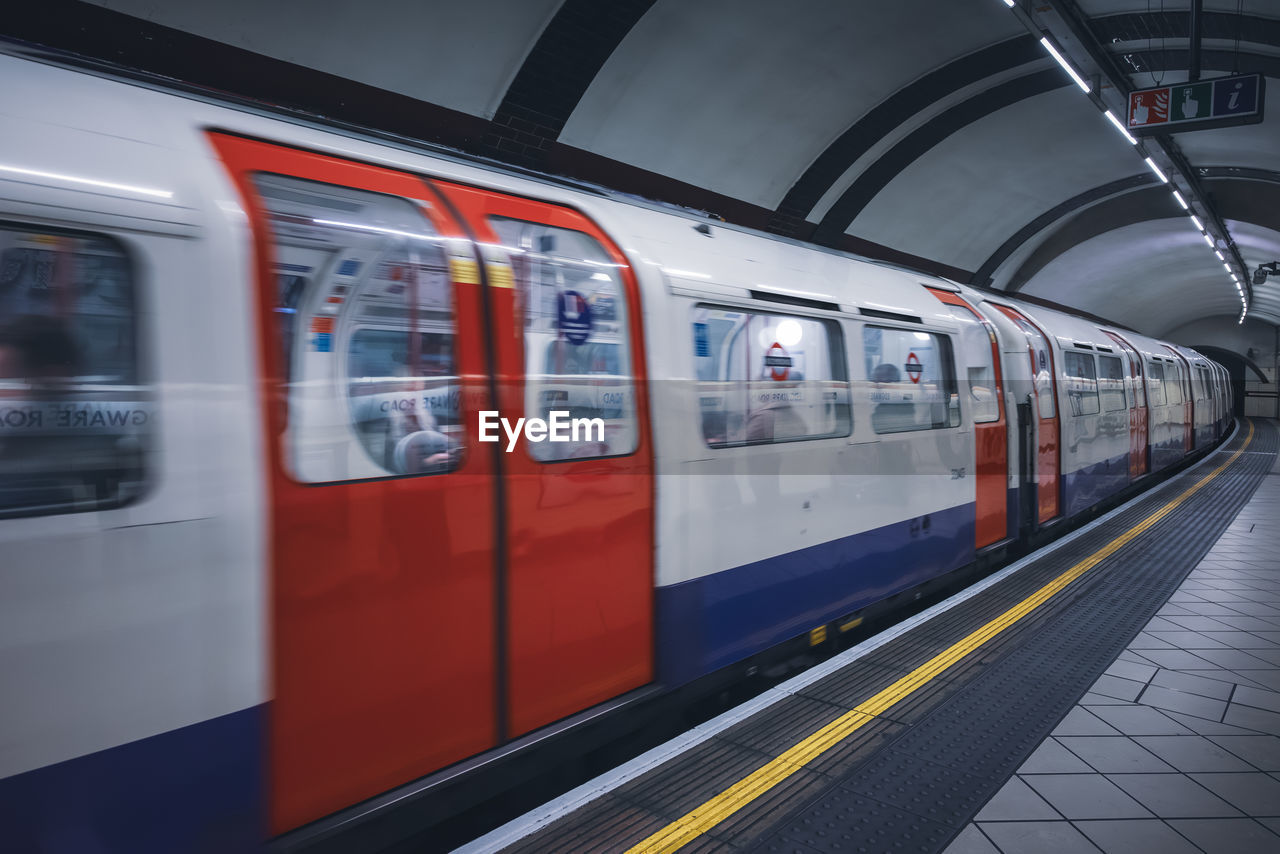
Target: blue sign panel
(574,317)
(1235,96)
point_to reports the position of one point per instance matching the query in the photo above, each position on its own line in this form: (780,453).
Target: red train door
(381,504)
(1137,412)
(1044,390)
(1188,404)
(991,436)
(579,514)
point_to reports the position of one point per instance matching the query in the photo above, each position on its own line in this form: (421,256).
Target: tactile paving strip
(912,778)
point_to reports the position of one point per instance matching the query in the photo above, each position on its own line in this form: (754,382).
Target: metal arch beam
(1136,26)
(877,176)
(556,74)
(983,274)
(790,215)
(1215,60)
(1155,203)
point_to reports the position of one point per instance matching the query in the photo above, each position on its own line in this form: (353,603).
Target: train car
(332,464)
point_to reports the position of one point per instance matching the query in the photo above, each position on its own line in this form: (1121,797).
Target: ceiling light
(1054,53)
(1219,254)
(1207,239)
(1197,221)
(1009,3)
(1111,117)
(1156,169)
(1181,200)
(1226,266)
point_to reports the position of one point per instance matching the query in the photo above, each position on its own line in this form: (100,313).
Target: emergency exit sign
(1220,102)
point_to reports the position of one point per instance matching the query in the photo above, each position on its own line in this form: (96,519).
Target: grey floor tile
(1270,656)
(1135,836)
(1092,699)
(1248,624)
(1052,758)
(1126,669)
(1162,624)
(1198,624)
(1172,609)
(1173,796)
(1133,658)
(1193,684)
(1137,720)
(1204,726)
(1250,718)
(1238,659)
(1257,698)
(1228,836)
(1190,640)
(1117,688)
(971,841)
(1179,701)
(1114,754)
(1269,679)
(1260,751)
(1082,722)
(1253,794)
(1193,753)
(1016,801)
(1081,796)
(1038,837)
(1274,637)
(1146,641)
(1178,659)
(1242,640)
(1212,609)
(1273,824)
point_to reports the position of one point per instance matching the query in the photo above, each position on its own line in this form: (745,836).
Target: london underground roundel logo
(778,362)
(914,368)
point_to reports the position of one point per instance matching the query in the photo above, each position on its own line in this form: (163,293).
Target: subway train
(264,565)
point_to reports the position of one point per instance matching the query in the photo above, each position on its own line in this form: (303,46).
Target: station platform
(1118,690)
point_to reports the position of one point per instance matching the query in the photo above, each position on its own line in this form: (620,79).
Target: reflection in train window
(765,378)
(910,380)
(1111,383)
(365,311)
(75,411)
(1173,382)
(1082,383)
(1155,380)
(576,337)
(976,339)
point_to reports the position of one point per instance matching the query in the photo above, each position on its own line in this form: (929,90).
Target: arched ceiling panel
(427,51)
(1152,276)
(962,199)
(750,92)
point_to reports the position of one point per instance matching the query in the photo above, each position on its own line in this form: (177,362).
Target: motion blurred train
(258,570)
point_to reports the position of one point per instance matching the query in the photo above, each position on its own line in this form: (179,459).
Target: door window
(980,370)
(1081,382)
(1111,383)
(364,308)
(577,340)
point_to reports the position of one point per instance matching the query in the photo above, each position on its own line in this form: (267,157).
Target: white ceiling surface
(960,201)
(740,96)
(1152,276)
(461,55)
(1256,146)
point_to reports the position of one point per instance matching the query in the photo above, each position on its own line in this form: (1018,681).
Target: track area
(900,747)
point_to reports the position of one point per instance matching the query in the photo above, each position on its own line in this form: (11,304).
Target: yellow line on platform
(762,780)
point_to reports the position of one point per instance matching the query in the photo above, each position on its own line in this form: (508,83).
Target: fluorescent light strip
(1156,169)
(1226,266)
(1120,127)
(1196,220)
(1219,254)
(1207,239)
(1076,77)
(107,185)
(1009,3)
(1181,200)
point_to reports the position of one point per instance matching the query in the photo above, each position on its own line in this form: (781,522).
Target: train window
(75,412)
(1206,387)
(975,346)
(1082,383)
(577,338)
(365,317)
(1155,379)
(1111,383)
(910,380)
(765,377)
(1173,383)
(1042,364)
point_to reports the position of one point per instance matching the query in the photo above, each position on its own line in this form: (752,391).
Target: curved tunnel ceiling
(935,133)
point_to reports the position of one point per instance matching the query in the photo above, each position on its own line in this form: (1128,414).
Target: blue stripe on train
(708,622)
(1087,486)
(195,789)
